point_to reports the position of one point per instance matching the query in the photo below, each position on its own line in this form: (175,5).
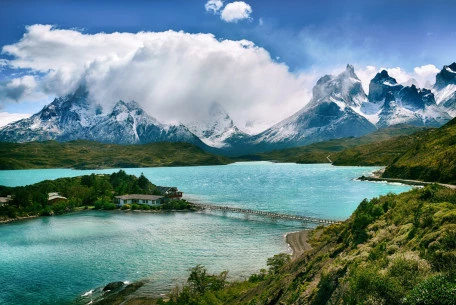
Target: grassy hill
(90,155)
(396,249)
(317,152)
(379,153)
(432,158)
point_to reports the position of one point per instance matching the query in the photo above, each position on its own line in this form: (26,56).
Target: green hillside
(91,155)
(396,249)
(379,153)
(317,152)
(433,158)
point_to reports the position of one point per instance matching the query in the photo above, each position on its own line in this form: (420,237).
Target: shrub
(437,290)
(276,262)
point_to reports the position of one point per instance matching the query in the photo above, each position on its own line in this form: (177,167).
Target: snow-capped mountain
(445,89)
(332,113)
(339,108)
(217,129)
(391,103)
(72,117)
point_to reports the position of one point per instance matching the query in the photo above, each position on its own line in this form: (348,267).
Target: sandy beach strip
(298,242)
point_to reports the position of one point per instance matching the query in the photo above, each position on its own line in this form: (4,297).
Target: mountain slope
(392,103)
(348,151)
(328,115)
(431,159)
(396,249)
(73,117)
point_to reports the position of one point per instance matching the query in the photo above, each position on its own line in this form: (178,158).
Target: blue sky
(309,38)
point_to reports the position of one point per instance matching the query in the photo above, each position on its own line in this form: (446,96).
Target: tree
(277,261)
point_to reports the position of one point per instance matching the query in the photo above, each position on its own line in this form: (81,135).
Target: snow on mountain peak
(215,128)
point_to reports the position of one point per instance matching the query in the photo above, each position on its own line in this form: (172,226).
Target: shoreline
(298,242)
(11,220)
(376,177)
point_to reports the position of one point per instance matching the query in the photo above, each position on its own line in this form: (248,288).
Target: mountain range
(339,108)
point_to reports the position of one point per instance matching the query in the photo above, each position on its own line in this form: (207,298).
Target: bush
(437,290)
(276,262)
(126,207)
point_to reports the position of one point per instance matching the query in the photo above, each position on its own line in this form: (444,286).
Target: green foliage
(176,204)
(365,214)
(436,290)
(96,190)
(430,159)
(199,288)
(90,155)
(276,262)
(378,148)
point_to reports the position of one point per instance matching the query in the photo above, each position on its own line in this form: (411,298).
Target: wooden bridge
(272,215)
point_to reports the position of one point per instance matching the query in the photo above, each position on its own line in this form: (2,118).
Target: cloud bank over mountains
(175,76)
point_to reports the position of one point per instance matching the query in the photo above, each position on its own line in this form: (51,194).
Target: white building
(150,200)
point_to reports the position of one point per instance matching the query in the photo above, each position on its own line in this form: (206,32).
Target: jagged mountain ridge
(73,117)
(332,113)
(394,104)
(339,108)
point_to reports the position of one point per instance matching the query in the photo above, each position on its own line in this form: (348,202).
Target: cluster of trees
(81,192)
(205,288)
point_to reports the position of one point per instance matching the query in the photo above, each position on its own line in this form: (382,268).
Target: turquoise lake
(53,260)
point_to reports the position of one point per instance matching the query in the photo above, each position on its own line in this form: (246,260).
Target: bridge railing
(205,206)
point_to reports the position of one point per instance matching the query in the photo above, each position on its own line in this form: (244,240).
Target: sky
(259,59)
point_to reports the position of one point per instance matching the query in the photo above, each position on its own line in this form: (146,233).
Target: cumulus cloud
(174,76)
(6,117)
(235,11)
(213,6)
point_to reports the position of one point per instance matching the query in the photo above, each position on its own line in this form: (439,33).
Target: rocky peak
(447,76)
(350,72)
(345,87)
(380,85)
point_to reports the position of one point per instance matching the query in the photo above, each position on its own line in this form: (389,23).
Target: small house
(151,200)
(55,197)
(5,200)
(170,192)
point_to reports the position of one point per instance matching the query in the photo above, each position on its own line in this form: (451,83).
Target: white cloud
(365,74)
(173,75)
(6,118)
(18,89)
(213,6)
(421,76)
(235,11)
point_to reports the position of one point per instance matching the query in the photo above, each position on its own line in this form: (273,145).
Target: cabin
(55,197)
(170,192)
(150,200)
(5,200)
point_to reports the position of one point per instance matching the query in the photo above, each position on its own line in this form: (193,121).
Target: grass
(93,155)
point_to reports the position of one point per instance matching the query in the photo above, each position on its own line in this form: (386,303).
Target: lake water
(52,260)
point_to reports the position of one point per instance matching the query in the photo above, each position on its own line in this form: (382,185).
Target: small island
(101,192)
